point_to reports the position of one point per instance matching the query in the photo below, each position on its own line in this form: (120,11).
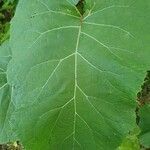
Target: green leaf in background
(145,125)
(74,77)
(131,142)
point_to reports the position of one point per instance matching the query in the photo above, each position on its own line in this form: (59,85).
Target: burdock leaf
(76,75)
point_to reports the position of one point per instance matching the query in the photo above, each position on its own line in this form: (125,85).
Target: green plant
(75,72)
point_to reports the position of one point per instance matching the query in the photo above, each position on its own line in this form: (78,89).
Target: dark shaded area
(137,115)
(7,10)
(144,95)
(80,6)
(143,148)
(143,98)
(11,146)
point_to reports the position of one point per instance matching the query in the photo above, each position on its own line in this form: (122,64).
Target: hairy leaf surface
(75,77)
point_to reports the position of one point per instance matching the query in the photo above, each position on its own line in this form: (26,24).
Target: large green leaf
(75,77)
